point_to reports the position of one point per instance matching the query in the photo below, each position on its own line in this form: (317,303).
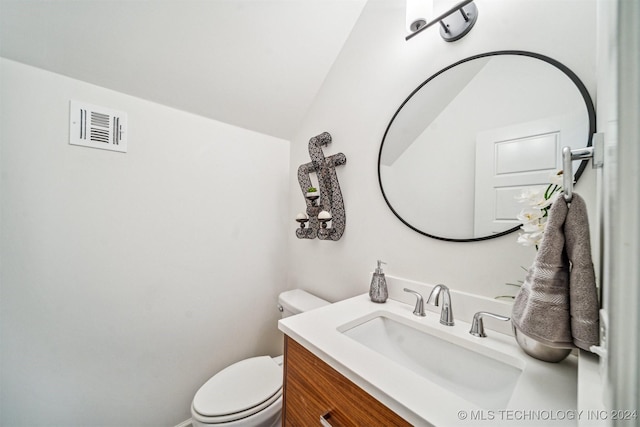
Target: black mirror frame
(574,78)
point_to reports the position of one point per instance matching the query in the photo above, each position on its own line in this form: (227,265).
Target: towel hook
(594,152)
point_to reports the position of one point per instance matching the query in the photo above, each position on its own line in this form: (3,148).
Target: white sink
(431,374)
(477,375)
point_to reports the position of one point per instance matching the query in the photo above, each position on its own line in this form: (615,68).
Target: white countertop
(545,393)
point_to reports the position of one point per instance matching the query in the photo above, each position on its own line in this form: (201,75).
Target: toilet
(248,393)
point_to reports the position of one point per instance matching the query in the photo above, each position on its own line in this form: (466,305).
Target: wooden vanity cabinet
(313,389)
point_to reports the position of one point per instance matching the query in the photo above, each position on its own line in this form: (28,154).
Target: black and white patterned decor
(330,195)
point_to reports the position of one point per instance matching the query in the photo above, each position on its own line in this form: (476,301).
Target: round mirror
(471,137)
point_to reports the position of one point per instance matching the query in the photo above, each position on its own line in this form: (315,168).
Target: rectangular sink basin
(473,376)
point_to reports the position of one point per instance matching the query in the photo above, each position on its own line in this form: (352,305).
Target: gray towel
(583,295)
(558,302)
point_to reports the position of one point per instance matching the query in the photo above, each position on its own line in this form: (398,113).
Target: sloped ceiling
(256,64)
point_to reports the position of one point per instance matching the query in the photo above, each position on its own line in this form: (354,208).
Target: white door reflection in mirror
(512,158)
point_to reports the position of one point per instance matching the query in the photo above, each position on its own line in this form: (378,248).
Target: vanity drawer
(313,389)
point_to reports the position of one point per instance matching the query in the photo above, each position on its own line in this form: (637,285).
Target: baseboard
(186,423)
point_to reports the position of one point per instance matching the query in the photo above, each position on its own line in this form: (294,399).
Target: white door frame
(624,311)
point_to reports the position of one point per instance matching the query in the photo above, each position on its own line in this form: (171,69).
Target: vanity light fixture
(459,21)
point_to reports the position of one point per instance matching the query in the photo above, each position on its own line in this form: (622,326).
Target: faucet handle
(419,309)
(477,325)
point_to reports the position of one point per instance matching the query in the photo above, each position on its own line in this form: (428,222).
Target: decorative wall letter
(328,206)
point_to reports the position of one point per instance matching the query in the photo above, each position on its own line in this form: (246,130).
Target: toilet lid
(239,387)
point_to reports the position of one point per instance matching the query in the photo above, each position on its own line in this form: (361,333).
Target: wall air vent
(97,127)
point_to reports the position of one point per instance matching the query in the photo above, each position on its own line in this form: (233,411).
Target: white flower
(556,178)
(545,203)
(530,239)
(530,196)
(534,226)
(529,215)
(537,198)
(534,217)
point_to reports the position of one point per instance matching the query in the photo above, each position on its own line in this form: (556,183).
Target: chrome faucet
(419,310)
(477,326)
(446,312)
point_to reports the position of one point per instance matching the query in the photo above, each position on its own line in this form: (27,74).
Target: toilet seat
(239,391)
(265,413)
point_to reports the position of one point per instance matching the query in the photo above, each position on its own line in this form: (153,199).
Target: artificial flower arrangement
(534,216)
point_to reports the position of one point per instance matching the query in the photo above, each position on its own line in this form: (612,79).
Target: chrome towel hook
(594,152)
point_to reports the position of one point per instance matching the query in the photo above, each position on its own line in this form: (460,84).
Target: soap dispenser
(378,291)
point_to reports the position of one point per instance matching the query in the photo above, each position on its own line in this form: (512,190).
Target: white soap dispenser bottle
(378,291)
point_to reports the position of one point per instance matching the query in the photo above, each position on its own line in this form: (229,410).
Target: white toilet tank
(297,301)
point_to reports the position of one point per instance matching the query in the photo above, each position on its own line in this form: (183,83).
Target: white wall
(129,279)
(375,72)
